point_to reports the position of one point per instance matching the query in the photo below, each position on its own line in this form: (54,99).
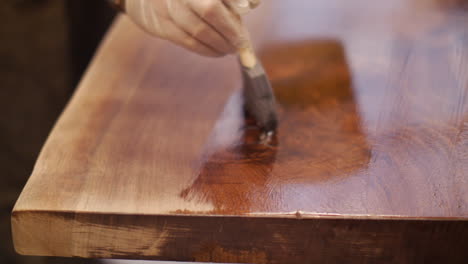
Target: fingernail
(242,6)
(243,3)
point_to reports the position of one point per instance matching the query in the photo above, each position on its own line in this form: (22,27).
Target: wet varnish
(319,139)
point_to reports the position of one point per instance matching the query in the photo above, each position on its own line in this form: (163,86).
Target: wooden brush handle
(247,56)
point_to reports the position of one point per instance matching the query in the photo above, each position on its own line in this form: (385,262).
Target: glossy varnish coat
(154,157)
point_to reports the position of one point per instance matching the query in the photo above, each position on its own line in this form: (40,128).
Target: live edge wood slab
(153,158)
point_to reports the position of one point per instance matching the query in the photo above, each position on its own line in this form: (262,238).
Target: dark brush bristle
(259,98)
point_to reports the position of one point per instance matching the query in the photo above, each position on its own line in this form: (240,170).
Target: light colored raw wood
(152,158)
(133,87)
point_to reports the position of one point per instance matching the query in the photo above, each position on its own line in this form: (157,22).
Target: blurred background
(45,47)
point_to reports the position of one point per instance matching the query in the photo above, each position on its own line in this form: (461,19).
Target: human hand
(207,27)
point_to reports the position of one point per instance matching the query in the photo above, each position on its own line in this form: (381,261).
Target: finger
(188,21)
(178,36)
(215,13)
(144,17)
(162,26)
(240,7)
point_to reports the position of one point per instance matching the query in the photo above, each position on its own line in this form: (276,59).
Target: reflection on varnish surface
(319,138)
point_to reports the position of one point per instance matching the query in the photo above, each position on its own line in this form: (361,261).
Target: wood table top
(373,107)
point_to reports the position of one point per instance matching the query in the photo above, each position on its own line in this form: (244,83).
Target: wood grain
(154,159)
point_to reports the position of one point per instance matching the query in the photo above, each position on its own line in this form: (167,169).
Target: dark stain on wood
(319,137)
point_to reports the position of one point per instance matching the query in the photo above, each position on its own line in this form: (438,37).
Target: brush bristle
(259,98)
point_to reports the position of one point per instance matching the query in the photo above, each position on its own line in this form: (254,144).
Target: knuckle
(208,8)
(201,31)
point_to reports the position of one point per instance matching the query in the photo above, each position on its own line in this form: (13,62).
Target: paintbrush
(259,100)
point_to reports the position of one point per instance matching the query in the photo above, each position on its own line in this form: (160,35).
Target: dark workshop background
(44,47)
